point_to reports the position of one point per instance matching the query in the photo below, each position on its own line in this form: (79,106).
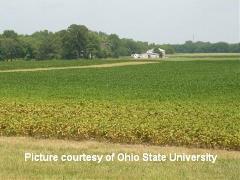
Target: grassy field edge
(13,166)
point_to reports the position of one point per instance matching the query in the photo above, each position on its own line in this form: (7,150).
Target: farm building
(150,54)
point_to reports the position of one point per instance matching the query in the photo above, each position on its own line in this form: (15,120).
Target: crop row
(185,124)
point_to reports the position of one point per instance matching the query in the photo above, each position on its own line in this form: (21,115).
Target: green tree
(74,42)
(115,44)
(168,48)
(10,34)
(78,42)
(10,48)
(93,45)
(46,45)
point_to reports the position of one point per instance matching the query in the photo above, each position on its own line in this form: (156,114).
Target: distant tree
(79,42)
(74,42)
(46,46)
(28,50)
(1,52)
(234,48)
(10,48)
(220,47)
(46,49)
(10,34)
(206,47)
(115,44)
(168,48)
(129,46)
(93,45)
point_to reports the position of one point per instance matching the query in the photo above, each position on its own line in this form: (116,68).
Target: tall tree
(93,45)
(75,41)
(10,34)
(10,48)
(46,45)
(115,44)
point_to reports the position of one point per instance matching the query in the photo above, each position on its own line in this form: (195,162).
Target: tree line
(206,47)
(77,42)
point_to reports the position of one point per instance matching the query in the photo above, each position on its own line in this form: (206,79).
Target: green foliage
(10,49)
(77,41)
(165,81)
(93,46)
(10,34)
(46,47)
(115,44)
(207,47)
(168,48)
(10,46)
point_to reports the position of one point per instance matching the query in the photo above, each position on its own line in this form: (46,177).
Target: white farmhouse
(150,54)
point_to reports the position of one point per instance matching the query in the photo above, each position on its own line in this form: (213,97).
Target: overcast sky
(161,21)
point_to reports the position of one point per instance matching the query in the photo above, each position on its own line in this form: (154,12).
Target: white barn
(150,54)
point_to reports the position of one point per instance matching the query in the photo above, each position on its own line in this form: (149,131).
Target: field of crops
(193,103)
